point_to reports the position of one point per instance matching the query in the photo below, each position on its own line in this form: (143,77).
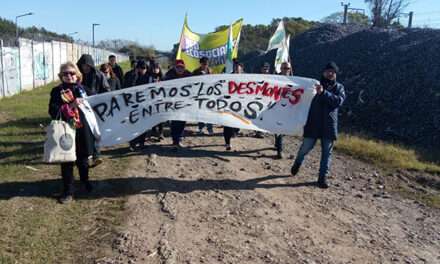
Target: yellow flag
(213,45)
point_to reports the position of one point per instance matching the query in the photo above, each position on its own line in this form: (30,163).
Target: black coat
(95,81)
(85,141)
(117,70)
(129,79)
(199,71)
(322,121)
(171,74)
(141,79)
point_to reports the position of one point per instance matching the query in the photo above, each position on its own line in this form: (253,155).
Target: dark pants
(67,174)
(279,143)
(177,129)
(228,133)
(208,126)
(158,130)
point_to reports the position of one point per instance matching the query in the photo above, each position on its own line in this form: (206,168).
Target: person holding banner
(129,76)
(64,104)
(141,77)
(287,71)
(117,70)
(202,70)
(322,122)
(112,79)
(94,81)
(177,127)
(265,69)
(230,132)
(156,76)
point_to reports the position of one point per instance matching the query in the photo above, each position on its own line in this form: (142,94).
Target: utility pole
(16,24)
(410,16)
(93,33)
(410,19)
(345,12)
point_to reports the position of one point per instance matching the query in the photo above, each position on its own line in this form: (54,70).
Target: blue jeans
(326,153)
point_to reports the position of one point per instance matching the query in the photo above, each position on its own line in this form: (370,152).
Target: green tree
(352,18)
(384,12)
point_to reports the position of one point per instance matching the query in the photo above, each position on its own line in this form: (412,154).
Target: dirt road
(205,205)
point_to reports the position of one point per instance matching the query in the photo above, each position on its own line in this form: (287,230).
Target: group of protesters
(83,79)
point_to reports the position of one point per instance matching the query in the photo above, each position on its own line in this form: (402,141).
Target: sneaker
(228,146)
(177,146)
(200,133)
(65,199)
(95,162)
(295,168)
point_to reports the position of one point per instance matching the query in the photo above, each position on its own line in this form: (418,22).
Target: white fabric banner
(271,103)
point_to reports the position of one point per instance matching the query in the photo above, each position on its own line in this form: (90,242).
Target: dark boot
(88,186)
(295,168)
(279,154)
(322,182)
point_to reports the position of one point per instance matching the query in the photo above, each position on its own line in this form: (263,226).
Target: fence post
(44,65)
(19,65)
(53,62)
(33,64)
(60,53)
(3,69)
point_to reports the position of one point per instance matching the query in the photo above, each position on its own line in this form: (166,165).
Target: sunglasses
(67,73)
(285,68)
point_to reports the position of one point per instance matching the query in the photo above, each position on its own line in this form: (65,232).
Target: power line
(430,12)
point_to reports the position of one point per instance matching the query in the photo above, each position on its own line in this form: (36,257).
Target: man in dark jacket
(322,122)
(94,81)
(264,69)
(141,77)
(130,75)
(177,127)
(286,70)
(202,70)
(117,70)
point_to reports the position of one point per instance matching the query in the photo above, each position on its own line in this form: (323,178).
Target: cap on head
(180,63)
(141,64)
(203,60)
(332,66)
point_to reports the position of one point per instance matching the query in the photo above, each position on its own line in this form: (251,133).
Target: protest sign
(272,103)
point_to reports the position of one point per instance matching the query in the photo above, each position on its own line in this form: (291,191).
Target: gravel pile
(390,77)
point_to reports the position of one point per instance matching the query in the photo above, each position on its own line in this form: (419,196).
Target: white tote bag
(60,143)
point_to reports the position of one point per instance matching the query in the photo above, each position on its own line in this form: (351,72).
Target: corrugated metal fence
(33,64)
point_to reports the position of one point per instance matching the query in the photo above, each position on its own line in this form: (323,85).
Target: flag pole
(179,51)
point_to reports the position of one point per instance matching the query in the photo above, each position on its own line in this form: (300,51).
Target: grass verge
(392,158)
(34,228)
(383,154)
